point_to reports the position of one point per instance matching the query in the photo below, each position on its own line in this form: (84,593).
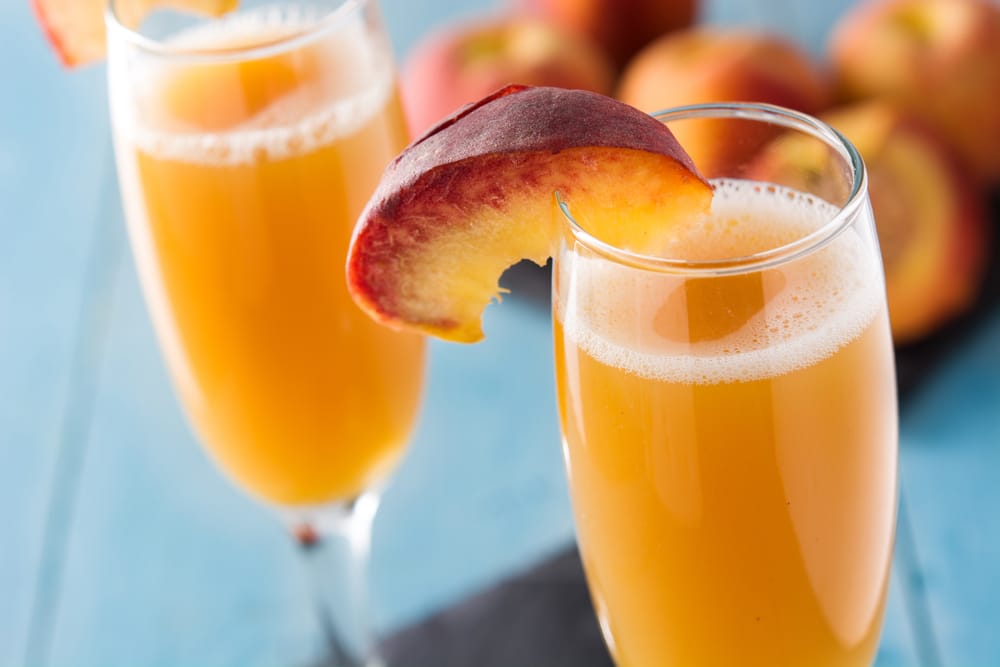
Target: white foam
(821,302)
(309,117)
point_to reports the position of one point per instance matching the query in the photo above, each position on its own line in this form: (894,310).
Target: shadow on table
(543,618)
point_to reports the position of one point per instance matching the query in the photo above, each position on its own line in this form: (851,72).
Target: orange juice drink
(731,441)
(242,180)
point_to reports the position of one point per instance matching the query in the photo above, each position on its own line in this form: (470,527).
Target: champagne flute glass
(728,408)
(246,147)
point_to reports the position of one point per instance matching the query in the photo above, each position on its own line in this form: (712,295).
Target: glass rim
(846,213)
(329,22)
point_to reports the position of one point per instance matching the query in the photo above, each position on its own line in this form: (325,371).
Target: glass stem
(335,542)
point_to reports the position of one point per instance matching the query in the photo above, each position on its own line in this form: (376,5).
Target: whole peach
(464,61)
(941,58)
(709,64)
(622,27)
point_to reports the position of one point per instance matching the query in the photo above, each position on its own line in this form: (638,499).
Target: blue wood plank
(897,646)
(70,454)
(52,134)
(169,564)
(482,493)
(950,459)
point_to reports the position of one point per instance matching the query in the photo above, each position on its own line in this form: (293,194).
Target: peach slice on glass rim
(474,196)
(75,28)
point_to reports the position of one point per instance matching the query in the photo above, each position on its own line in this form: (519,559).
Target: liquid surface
(813,307)
(240,111)
(242,180)
(731,444)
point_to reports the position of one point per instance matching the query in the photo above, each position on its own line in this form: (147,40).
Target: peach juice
(731,441)
(242,180)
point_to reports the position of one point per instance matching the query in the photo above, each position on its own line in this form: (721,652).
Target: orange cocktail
(723,357)
(242,175)
(729,418)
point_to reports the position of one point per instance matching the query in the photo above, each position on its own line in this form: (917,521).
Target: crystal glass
(728,407)
(246,147)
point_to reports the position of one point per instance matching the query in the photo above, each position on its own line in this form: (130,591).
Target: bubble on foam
(827,299)
(310,117)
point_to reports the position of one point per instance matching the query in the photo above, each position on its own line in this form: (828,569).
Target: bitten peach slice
(75,28)
(475,195)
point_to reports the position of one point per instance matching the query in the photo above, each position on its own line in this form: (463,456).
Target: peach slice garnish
(474,196)
(75,28)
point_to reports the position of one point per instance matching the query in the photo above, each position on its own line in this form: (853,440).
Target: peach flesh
(474,196)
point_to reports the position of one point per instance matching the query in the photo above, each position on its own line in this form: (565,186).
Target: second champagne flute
(246,147)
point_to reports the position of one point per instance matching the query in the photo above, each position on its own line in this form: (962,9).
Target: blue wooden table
(120,544)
